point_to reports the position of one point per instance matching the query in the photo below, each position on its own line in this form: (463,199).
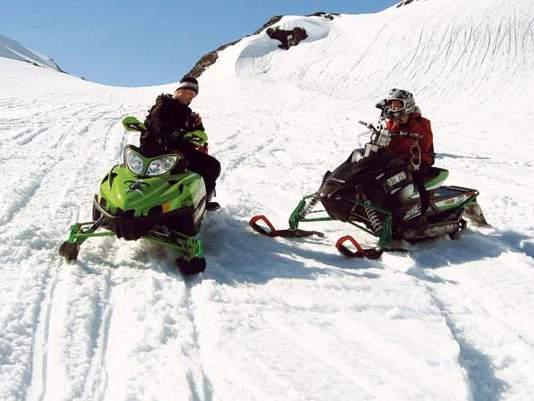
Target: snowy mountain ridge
(274,319)
(11,49)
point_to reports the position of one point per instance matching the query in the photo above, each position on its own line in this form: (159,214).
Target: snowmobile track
(201,387)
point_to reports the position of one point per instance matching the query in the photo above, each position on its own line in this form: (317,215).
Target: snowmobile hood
(367,168)
(123,190)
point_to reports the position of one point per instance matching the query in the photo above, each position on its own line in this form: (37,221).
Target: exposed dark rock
(208,59)
(329,16)
(43,66)
(269,23)
(404,3)
(287,38)
(57,66)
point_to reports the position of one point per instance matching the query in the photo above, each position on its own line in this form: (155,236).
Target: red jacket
(417,125)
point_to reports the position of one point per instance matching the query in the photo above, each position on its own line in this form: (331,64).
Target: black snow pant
(419,178)
(205,165)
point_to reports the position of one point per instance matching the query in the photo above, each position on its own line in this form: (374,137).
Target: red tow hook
(259,229)
(369,253)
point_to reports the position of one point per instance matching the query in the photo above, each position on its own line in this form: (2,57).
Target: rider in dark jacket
(167,122)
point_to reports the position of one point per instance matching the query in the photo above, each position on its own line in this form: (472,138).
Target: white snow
(279,319)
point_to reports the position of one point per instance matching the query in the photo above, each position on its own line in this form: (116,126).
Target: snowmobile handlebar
(377,131)
(374,129)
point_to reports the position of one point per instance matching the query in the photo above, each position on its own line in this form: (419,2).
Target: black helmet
(408,104)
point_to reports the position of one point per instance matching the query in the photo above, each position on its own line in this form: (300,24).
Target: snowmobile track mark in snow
(95,383)
(483,383)
(39,374)
(195,354)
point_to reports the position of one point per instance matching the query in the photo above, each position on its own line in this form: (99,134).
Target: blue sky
(136,43)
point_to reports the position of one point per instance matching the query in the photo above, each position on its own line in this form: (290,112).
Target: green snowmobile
(155,198)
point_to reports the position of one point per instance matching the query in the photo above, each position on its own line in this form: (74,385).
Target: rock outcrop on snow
(286,37)
(405,3)
(207,59)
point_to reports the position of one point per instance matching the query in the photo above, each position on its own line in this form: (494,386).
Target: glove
(196,120)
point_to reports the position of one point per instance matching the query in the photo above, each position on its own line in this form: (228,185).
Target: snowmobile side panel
(451,197)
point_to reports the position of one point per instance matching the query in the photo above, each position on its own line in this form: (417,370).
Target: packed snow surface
(280,319)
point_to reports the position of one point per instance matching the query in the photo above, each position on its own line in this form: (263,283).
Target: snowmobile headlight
(133,161)
(162,165)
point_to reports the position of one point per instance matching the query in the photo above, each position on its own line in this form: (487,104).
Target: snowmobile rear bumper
(133,228)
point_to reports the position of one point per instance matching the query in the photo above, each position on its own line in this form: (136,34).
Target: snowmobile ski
(272,232)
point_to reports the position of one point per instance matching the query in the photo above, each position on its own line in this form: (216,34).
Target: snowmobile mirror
(370,126)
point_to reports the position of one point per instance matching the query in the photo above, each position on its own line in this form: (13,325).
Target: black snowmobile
(374,190)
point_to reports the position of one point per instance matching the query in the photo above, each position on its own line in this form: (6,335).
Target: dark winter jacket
(166,122)
(417,125)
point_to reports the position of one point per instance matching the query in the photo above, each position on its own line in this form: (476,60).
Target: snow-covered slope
(14,50)
(279,319)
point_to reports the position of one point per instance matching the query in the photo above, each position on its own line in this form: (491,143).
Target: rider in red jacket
(415,124)
(403,116)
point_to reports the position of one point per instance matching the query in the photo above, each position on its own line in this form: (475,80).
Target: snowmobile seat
(435,177)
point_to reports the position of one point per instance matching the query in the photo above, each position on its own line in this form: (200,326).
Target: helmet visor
(395,104)
(395,109)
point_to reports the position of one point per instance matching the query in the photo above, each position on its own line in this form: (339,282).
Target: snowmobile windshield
(367,168)
(363,138)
